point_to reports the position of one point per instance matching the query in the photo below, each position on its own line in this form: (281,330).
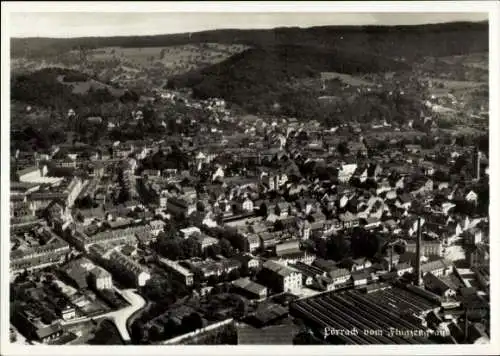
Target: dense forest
(260,73)
(43,88)
(266,78)
(396,41)
(258,79)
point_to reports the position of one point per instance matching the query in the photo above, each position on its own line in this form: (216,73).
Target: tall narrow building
(477,164)
(418,270)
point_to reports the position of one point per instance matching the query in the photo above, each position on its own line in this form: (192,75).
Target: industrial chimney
(418,278)
(477,164)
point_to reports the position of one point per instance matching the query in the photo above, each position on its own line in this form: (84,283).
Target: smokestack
(477,164)
(391,251)
(418,279)
(466,327)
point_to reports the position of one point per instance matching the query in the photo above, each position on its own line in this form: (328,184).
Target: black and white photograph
(195,177)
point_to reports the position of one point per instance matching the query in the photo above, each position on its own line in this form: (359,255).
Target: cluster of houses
(273,188)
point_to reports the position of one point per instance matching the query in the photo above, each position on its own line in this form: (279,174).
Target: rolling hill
(263,70)
(262,74)
(61,88)
(392,41)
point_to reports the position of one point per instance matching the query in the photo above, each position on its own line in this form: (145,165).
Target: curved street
(120,317)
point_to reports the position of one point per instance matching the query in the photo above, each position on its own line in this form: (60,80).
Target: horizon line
(256,29)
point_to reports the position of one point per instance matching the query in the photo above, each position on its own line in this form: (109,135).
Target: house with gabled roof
(439,267)
(374,170)
(439,285)
(279,277)
(349,220)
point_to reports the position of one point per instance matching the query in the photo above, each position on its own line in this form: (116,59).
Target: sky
(87,24)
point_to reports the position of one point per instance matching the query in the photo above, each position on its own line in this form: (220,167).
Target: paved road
(119,317)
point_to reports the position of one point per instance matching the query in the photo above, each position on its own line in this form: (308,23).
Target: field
(443,87)
(464,130)
(458,84)
(345,78)
(175,59)
(132,66)
(84,87)
(475,60)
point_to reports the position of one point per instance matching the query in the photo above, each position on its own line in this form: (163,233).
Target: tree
(234,274)
(155,333)
(342,148)
(241,308)
(321,247)
(212,280)
(191,247)
(171,248)
(226,248)
(170,231)
(191,322)
(79,217)
(364,243)
(337,247)
(170,329)
(158,289)
(212,251)
(306,338)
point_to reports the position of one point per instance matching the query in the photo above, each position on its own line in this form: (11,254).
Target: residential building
(32,174)
(348,220)
(101,279)
(66,162)
(247,261)
(438,285)
(473,236)
(179,272)
(279,277)
(189,231)
(441,267)
(254,242)
(339,275)
(346,172)
(250,289)
(38,257)
(403,268)
(360,278)
(68,313)
(156,226)
(180,206)
(32,324)
(268,240)
(287,247)
(127,269)
(427,248)
(205,241)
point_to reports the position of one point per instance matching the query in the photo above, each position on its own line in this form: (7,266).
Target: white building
(190,231)
(218,174)
(68,313)
(101,278)
(126,267)
(280,277)
(346,172)
(185,275)
(156,226)
(73,190)
(247,205)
